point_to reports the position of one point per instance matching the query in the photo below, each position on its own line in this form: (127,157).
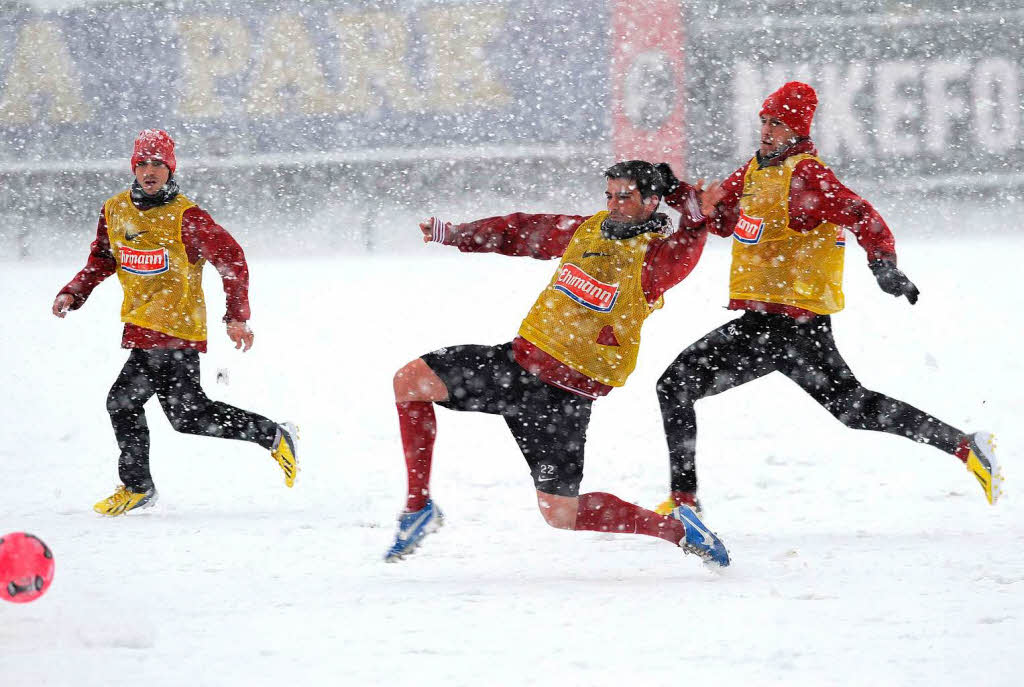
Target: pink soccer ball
(26,567)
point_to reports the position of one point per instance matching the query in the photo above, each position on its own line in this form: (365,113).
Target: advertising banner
(294,81)
(910,97)
(648,86)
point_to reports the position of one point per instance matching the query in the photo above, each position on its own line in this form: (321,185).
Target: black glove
(669,177)
(892,280)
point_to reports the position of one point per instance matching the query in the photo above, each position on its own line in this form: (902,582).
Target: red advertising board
(647,81)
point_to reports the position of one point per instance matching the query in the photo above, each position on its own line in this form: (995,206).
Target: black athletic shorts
(548,423)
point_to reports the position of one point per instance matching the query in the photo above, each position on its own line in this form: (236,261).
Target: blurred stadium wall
(344,113)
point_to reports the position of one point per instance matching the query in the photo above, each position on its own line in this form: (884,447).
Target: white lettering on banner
(457,56)
(41,82)
(895,109)
(213,48)
(748,94)
(945,104)
(374,61)
(288,69)
(843,129)
(996,97)
(896,112)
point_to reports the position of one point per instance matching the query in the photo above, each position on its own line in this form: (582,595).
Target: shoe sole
(995,471)
(292,431)
(147,502)
(431,527)
(705,557)
(704,554)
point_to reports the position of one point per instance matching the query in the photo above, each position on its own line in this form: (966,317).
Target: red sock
(418,427)
(685,498)
(962,449)
(602,512)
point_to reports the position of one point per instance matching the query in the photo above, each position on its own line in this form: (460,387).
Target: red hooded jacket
(203,238)
(667,262)
(815,196)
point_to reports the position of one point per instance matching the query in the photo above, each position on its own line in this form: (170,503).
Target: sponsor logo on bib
(841,237)
(143,262)
(585,290)
(748,229)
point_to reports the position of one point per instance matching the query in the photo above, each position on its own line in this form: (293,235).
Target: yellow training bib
(162,290)
(772,263)
(590,315)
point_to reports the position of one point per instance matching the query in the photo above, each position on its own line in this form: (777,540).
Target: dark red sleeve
(816,196)
(101,264)
(686,201)
(536,236)
(670,260)
(204,238)
(723,220)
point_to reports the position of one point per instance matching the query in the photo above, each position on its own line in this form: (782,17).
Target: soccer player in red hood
(157,241)
(788,215)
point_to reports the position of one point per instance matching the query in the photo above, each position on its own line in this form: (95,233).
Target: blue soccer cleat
(412,528)
(699,539)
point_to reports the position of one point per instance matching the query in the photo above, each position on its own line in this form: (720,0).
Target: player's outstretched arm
(520,234)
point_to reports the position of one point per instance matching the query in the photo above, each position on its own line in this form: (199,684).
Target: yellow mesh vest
(162,291)
(772,263)
(597,285)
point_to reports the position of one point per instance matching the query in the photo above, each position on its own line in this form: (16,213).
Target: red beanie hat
(154,144)
(793,105)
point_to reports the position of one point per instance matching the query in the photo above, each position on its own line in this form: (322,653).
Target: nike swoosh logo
(545,479)
(132,237)
(588,254)
(406,532)
(708,540)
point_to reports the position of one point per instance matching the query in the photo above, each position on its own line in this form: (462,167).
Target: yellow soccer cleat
(679,499)
(124,500)
(981,461)
(666,506)
(284,451)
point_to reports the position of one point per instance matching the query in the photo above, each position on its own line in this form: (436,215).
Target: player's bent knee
(558,520)
(415,381)
(558,511)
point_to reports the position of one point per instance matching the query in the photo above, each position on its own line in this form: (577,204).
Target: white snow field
(859,558)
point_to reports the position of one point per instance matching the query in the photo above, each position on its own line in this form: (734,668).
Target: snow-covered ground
(859,558)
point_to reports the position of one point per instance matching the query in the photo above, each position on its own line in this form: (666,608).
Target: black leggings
(549,423)
(174,377)
(758,343)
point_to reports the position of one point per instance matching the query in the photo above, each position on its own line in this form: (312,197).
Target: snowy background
(859,558)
